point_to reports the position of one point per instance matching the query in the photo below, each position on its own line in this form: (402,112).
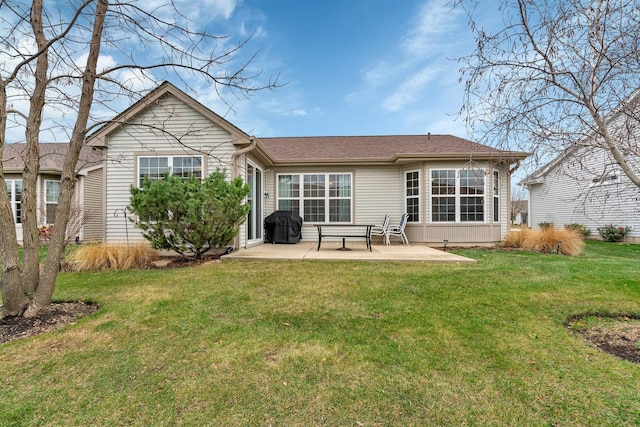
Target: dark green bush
(545,224)
(190,216)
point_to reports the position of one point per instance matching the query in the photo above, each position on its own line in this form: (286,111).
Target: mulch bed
(49,318)
(620,338)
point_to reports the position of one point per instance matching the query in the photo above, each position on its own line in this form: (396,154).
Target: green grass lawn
(296,343)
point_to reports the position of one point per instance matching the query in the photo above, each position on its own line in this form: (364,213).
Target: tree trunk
(30,234)
(13,299)
(43,294)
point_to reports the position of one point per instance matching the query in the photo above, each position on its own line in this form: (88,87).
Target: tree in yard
(71,60)
(552,76)
(190,216)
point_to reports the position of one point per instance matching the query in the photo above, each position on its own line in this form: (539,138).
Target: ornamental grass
(546,240)
(103,256)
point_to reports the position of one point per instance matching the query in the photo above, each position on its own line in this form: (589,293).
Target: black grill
(283,227)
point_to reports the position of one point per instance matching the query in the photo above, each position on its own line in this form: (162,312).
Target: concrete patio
(358,252)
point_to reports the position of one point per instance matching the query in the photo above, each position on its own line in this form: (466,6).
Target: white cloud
(432,29)
(410,90)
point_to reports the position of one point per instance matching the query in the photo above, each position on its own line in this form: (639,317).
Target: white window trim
(457,196)
(46,198)
(495,179)
(169,158)
(418,196)
(327,197)
(257,193)
(12,199)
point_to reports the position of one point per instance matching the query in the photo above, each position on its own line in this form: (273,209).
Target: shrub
(613,233)
(190,216)
(545,224)
(104,256)
(547,239)
(582,229)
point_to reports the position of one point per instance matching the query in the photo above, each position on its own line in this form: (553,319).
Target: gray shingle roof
(52,157)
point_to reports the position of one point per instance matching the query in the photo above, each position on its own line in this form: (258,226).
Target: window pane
(313,186)
(340,210)
(288,186)
(339,185)
(185,166)
(413,209)
(496,196)
(412,192)
(443,209)
(314,210)
(443,182)
(18,200)
(289,205)
(471,209)
(51,213)
(413,183)
(52,188)
(471,181)
(153,168)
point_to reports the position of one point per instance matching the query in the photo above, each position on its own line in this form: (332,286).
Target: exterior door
(254,219)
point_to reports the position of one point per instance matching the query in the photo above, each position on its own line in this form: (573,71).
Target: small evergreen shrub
(547,240)
(102,256)
(545,224)
(613,233)
(582,229)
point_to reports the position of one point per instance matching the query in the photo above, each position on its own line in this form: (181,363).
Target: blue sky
(350,67)
(355,67)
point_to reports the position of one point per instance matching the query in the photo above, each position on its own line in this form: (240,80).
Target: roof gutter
(236,154)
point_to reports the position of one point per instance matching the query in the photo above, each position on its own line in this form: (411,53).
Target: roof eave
(404,158)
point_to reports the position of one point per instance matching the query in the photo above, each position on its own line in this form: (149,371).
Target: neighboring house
(452,188)
(88,211)
(585,185)
(519,212)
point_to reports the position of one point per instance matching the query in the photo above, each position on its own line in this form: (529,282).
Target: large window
(412,194)
(51,192)
(316,197)
(14,188)
(457,195)
(154,168)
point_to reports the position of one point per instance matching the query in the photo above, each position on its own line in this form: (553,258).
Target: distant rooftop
(52,157)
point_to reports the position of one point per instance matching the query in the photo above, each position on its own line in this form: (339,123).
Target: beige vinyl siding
(195,132)
(375,191)
(568,195)
(93,206)
(378,190)
(487,231)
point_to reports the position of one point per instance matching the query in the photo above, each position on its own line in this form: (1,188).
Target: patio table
(365,233)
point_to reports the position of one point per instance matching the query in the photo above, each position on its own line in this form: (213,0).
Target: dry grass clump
(104,256)
(546,240)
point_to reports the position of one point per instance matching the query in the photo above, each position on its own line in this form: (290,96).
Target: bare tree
(552,77)
(71,59)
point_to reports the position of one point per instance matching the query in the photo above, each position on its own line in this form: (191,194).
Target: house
(585,185)
(88,212)
(519,212)
(452,188)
